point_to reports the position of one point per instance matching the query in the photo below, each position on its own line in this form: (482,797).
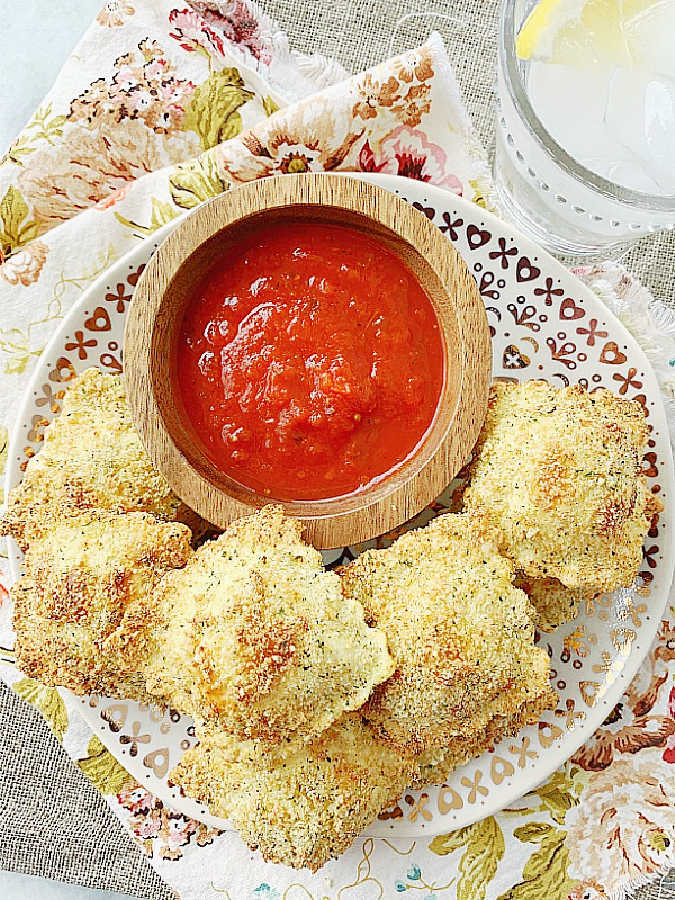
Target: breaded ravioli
(556,478)
(81,577)
(460,633)
(554,604)
(91,458)
(255,638)
(436,766)
(307,809)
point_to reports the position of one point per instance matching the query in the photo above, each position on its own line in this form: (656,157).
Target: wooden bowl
(156,314)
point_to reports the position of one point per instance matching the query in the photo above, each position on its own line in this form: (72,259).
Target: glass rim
(612,190)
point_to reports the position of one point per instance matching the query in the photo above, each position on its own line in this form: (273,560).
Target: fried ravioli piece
(91,458)
(307,809)
(437,766)
(556,477)
(460,633)
(554,604)
(81,577)
(254,637)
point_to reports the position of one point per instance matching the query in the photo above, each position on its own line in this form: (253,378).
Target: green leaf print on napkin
(195,181)
(484,844)
(269,105)
(559,794)
(212,111)
(161,213)
(43,126)
(14,231)
(556,796)
(102,769)
(47,700)
(545,872)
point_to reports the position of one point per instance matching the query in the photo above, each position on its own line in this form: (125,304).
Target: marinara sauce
(310,361)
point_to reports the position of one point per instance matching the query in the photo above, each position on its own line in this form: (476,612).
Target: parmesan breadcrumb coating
(460,633)
(319,698)
(556,478)
(255,638)
(436,768)
(307,809)
(554,604)
(81,577)
(91,458)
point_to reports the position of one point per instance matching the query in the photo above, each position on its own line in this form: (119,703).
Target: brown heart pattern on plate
(99,320)
(427,210)
(477,237)
(569,309)
(612,355)
(526,270)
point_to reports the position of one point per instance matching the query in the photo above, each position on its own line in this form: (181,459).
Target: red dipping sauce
(310,361)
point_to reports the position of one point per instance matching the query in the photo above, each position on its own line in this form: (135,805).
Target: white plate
(545,324)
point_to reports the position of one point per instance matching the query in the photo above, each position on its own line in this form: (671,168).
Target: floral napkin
(159,108)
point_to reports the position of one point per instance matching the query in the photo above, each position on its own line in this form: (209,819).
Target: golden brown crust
(309,807)
(554,604)
(430,640)
(437,767)
(556,478)
(81,578)
(460,633)
(91,458)
(254,637)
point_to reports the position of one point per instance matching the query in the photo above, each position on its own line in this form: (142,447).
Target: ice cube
(631,176)
(570,104)
(649,32)
(660,132)
(640,123)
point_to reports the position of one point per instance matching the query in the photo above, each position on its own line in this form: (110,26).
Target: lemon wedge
(583,33)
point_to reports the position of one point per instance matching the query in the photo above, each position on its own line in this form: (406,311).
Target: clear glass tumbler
(548,193)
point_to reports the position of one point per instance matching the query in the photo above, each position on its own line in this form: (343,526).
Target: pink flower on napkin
(135,798)
(406,151)
(113,198)
(193,34)
(204,30)
(239,24)
(309,137)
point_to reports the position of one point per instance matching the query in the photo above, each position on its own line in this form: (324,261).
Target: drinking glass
(544,189)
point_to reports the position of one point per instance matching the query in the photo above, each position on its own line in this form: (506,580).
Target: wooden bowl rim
(370,518)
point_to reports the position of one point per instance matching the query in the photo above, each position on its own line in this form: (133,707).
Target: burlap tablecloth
(52,821)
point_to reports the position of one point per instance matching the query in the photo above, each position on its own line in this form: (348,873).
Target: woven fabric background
(76,837)
(53,822)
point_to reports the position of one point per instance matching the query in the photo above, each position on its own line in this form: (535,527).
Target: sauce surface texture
(310,361)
